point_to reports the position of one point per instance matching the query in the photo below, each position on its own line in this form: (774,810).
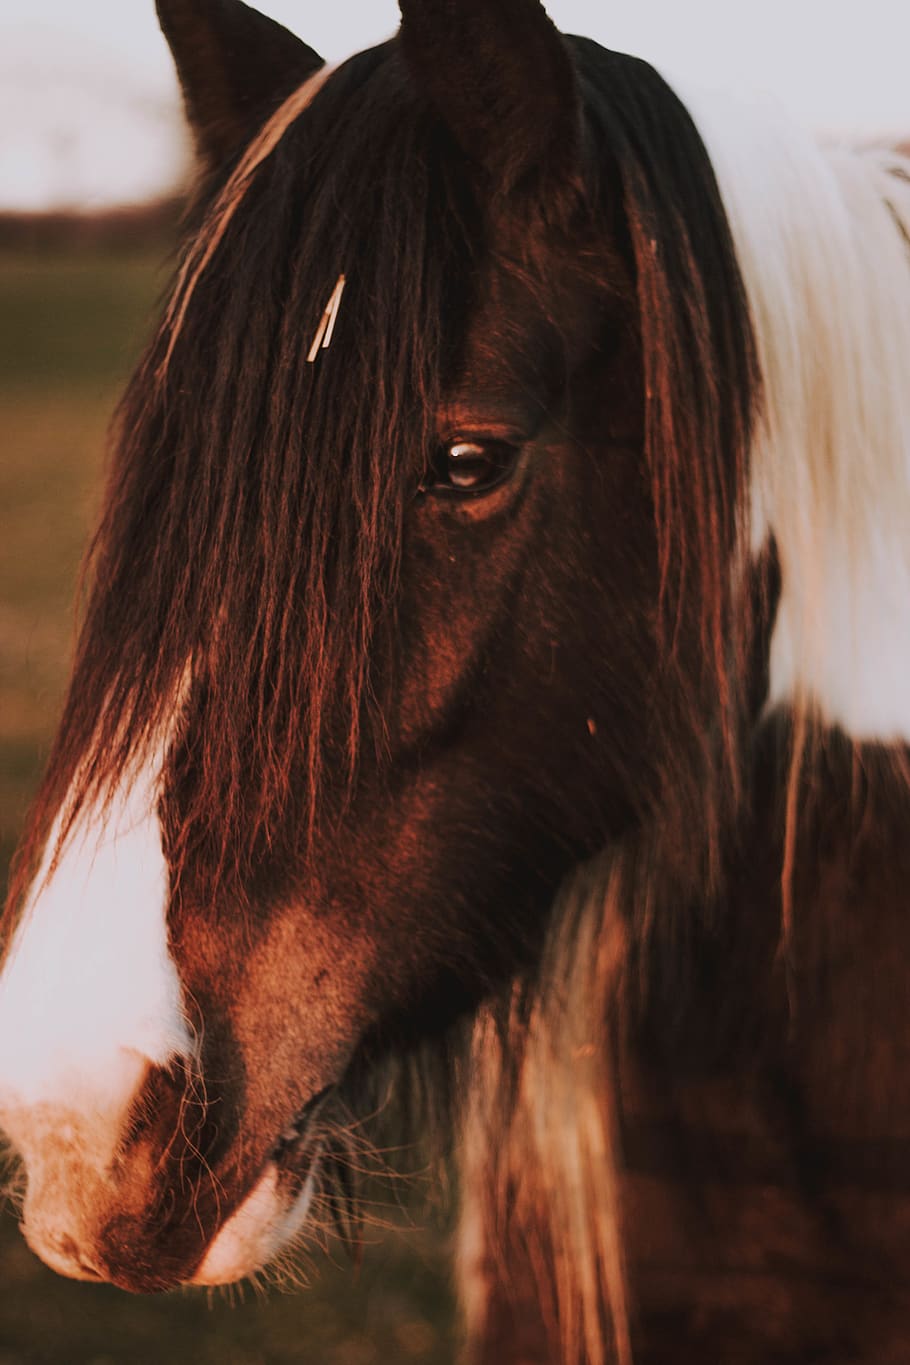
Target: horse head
(421,579)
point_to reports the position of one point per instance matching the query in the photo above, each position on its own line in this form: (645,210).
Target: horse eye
(472,467)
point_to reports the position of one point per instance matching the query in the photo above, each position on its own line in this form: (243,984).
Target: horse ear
(500,74)
(235,67)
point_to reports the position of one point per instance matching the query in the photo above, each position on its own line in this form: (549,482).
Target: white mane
(823,241)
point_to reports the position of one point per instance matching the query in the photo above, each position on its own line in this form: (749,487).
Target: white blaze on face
(89,994)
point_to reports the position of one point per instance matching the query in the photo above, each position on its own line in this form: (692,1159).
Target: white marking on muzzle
(89,994)
(263,1225)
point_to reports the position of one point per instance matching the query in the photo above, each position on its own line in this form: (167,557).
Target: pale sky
(87,96)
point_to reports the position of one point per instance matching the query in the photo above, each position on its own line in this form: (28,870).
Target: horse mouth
(298,1142)
(276,1208)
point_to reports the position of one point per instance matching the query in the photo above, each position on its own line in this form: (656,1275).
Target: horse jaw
(89,994)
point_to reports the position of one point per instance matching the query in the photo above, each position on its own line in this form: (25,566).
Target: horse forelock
(251,529)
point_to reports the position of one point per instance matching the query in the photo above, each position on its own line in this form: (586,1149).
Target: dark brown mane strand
(702,392)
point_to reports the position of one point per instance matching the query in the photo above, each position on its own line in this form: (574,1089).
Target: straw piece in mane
(218,220)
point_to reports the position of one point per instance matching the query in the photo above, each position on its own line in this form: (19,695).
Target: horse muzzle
(129,1194)
(92,1219)
(165,1196)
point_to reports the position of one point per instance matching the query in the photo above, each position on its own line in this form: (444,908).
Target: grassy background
(72,319)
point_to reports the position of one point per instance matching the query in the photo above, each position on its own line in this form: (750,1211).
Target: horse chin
(276,1208)
(270,1217)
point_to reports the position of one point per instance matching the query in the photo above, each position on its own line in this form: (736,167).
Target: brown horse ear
(235,67)
(500,74)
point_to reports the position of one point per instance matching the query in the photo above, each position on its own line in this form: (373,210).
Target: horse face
(170,1127)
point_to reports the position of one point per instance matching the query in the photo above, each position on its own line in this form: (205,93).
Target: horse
(490,701)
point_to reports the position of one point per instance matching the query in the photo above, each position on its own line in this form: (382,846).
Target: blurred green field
(71,324)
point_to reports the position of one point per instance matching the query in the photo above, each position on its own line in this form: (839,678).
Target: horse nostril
(89,1271)
(70,1249)
(63,1253)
